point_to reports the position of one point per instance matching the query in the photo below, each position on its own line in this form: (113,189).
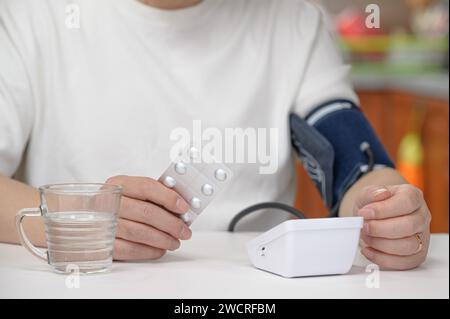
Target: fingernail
(380,191)
(175,245)
(366,228)
(367,213)
(364,242)
(368,253)
(186,233)
(182,205)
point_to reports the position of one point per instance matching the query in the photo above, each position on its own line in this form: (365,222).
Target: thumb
(372,194)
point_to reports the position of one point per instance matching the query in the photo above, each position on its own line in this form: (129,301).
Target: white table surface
(215,265)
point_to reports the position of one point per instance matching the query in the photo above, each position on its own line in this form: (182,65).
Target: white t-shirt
(81,103)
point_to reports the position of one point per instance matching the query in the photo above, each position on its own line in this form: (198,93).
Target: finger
(147,235)
(372,194)
(126,250)
(155,216)
(405,200)
(397,227)
(400,247)
(391,262)
(148,189)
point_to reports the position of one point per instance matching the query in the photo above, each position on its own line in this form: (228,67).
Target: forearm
(385,176)
(13,197)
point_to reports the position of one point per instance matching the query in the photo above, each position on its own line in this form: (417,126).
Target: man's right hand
(148,225)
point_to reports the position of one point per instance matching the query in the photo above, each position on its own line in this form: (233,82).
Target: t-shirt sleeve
(16,107)
(326,77)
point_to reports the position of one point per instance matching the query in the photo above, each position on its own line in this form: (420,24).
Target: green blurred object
(395,54)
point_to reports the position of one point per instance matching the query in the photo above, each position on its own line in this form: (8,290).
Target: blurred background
(401,74)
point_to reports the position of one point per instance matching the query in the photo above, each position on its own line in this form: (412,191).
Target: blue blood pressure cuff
(337,146)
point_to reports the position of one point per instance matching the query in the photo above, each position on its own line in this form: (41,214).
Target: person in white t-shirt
(91,90)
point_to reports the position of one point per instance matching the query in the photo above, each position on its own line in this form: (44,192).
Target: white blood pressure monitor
(307,247)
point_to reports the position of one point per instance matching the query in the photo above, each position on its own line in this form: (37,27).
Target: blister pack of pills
(198,182)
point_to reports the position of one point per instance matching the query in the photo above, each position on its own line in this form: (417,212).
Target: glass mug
(80,226)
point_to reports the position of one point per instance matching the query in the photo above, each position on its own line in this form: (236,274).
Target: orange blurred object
(413,174)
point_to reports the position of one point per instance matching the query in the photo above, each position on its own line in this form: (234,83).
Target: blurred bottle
(410,158)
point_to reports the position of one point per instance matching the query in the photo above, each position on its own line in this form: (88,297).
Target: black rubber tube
(268,205)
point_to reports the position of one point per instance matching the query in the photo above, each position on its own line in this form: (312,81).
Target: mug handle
(29,212)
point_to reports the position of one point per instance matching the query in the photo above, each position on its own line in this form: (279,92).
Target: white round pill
(196,203)
(207,189)
(220,175)
(180,168)
(169,181)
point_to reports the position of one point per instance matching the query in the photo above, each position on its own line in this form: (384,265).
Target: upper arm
(326,77)
(16,106)
(331,135)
